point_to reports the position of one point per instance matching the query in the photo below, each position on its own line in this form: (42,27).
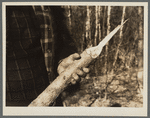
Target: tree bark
(100,34)
(116,55)
(96,36)
(88,32)
(69,15)
(96,25)
(99,24)
(49,95)
(108,31)
(106,48)
(140,39)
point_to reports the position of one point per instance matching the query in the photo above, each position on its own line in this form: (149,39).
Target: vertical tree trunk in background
(104,16)
(82,45)
(106,48)
(108,31)
(96,36)
(100,34)
(117,50)
(122,20)
(96,25)
(83,34)
(99,25)
(104,34)
(69,15)
(108,21)
(140,39)
(88,32)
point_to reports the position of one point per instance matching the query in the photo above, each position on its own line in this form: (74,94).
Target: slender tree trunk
(104,33)
(121,35)
(106,49)
(96,25)
(100,34)
(99,24)
(88,32)
(108,31)
(96,36)
(82,43)
(140,39)
(104,16)
(122,20)
(69,15)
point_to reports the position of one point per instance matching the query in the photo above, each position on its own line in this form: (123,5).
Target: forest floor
(124,89)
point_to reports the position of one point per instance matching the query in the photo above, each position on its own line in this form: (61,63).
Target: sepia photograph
(75,55)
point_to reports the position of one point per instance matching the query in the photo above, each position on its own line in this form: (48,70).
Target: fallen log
(49,95)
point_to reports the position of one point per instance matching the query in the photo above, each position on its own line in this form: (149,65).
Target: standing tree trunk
(100,34)
(96,25)
(96,36)
(122,20)
(140,39)
(88,32)
(103,27)
(69,15)
(104,34)
(82,42)
(99,25)
(108,31)
(106,49)
(121,35)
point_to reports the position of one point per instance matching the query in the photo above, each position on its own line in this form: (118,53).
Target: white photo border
(78,111)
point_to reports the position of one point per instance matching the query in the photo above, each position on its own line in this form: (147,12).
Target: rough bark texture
(121,35)
(106,49)
(49,95)
(88,27)
(140,41)
(96,35)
